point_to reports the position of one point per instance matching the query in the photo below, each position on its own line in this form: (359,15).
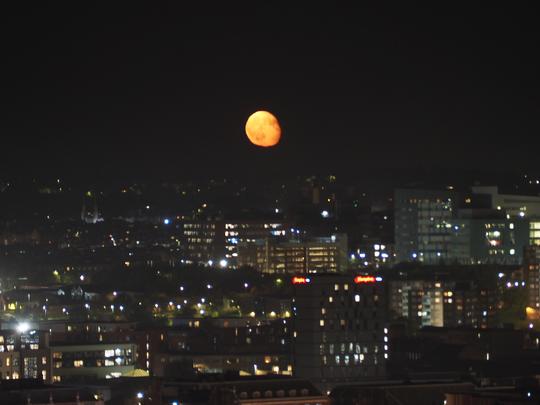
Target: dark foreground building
(238,390)
(339,333)
(31,391)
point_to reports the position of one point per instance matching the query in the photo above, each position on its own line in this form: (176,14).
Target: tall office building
(339,332)
(203,241)
(314,255)
(423,222)
(448,227)
(215,240)
(249,231)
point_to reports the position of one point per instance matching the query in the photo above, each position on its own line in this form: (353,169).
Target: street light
(23,327)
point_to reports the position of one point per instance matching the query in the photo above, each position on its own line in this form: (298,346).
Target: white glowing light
(23,327)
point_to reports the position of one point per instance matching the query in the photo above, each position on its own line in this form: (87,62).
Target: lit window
(357,298)
(321,322)
(78,363)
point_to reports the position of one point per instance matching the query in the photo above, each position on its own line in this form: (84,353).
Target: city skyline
(370,234)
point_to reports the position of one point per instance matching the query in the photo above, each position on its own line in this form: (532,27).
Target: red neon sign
(366,279)
(301,280)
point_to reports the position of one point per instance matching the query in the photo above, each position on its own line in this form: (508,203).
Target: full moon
(262,129)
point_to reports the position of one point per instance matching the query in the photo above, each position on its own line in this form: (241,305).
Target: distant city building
(248,346)
(99,360)
(373,254)
(204,241)
(299,256)
(25,354)
(90,213)
(531,266)
(514,205)
(420,301)
(423,224)
(237,232)
(215,242)
(449,227)
(339,328)
(463,296)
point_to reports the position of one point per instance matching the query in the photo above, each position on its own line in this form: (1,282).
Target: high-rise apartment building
(339,332)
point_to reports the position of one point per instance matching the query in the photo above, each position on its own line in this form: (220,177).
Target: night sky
(166,89)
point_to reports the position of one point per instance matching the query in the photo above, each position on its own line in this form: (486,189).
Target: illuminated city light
(301,280)
(23,327)
(166,221)
(367,279)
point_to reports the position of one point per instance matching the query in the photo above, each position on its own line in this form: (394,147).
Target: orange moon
(262,129)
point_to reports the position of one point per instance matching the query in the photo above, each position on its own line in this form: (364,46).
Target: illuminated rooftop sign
(301,280)
(367,279)
(362,279)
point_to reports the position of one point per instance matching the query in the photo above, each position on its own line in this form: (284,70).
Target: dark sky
(168,89)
